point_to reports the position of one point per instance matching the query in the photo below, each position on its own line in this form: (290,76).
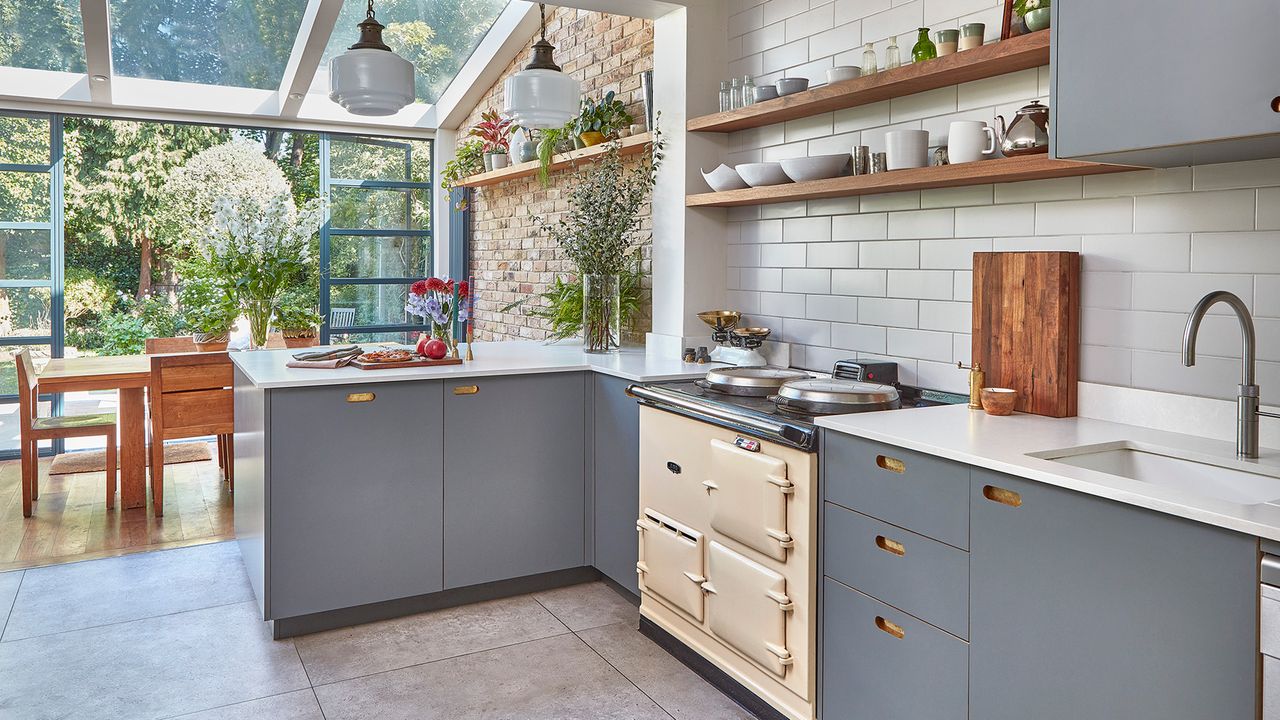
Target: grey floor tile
(557,678)
(297,705)
(588,605)
(676,688)
(9,583)
(152,668)
(131,587)
(377,647)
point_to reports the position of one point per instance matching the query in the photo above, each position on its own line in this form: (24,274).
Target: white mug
(907,149)
(969,141)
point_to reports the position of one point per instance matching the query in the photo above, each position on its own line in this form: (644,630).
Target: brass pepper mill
(977,379)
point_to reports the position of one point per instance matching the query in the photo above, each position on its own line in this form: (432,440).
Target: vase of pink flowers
(441,302)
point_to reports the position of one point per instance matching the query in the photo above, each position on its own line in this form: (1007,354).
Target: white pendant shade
(541,98)
(369,81)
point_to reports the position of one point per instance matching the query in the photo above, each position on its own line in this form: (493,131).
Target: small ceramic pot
(211,342)
(766,92)
(592,138)
(1038,19)
(840,73)
(528,152)
(497,161)
(301,342)
(948,41)
(790,86)
(971,35)
(999,401)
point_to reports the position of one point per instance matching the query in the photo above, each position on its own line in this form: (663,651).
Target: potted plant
(299,323)
(550,142)
(601,120)
(1035,13)
(468,160)
(494,131)
(210,312)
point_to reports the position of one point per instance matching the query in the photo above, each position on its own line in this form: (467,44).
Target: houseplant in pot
(1035,13)
(468,160)
(298,322)
(210,312)
(601,120)
(494,131)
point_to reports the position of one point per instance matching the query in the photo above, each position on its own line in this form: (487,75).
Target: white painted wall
(889,276)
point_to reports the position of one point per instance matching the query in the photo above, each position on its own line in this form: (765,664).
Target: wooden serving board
(1026,327)
(420,362)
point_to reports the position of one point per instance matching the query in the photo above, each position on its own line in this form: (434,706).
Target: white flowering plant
(1022,7)
(257,248)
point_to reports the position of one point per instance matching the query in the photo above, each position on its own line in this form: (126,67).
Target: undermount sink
(1226,479)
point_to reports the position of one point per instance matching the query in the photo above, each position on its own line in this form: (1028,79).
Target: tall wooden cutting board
(1026,326)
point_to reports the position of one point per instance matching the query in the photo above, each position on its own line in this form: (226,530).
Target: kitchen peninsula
(370,494)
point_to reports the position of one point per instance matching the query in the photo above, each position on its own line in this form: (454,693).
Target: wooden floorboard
(70,521)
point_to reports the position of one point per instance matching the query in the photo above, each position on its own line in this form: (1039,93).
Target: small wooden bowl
(999,401)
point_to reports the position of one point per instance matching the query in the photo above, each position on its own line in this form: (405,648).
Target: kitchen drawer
(882,663)
(924,577)
(1270,602)
(921,493)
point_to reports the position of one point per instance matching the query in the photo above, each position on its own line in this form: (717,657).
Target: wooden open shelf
(1027,167)
(1018,53)
(627,146)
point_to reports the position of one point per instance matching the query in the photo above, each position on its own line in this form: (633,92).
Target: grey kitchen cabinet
(353,504)
(1086,608)
(1193,83)
(615,458)
(514,476)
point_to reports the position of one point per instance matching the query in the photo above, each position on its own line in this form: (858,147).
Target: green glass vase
(924,49)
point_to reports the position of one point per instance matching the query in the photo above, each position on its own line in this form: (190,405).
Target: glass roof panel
(242,43)
(437,36)
(42,35)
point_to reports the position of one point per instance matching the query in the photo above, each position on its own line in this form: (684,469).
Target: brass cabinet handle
(893,547)
(890,627)
(892,464)
(360,397)
(1002,496)
(466,390)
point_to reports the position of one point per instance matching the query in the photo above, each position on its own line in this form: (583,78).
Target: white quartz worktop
(1001,444)
(266,368)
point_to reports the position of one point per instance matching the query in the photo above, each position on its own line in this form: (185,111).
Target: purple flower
(437,311)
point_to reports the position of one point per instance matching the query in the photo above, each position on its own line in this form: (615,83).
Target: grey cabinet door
(1086,608)
(515,476)
(354,498)
(616,471)
(1160,90)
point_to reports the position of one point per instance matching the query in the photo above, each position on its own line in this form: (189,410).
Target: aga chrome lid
(756,381)
(828,395)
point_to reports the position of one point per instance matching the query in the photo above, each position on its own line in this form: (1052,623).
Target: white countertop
(266,368)
(1001,444)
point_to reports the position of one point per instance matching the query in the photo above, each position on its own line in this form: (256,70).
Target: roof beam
(308,51)
(97,48)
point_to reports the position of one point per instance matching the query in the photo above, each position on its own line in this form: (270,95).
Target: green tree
(41,34)
(236,169)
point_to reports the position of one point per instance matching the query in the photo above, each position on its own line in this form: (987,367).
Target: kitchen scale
(735,345)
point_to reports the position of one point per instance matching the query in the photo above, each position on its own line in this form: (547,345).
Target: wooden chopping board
(1026,327)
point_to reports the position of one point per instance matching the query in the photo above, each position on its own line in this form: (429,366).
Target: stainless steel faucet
(1247,411)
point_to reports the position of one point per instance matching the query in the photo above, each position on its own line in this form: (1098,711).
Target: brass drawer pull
(360,397)
(893,547)
(1002,496)
(892,464)
(890,627)
(466,390)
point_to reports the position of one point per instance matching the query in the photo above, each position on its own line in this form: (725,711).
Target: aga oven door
(747,606)
(749,495)
(670,565)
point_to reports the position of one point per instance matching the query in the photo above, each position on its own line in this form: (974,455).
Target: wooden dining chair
(187,344)
(190,397)
(33,429)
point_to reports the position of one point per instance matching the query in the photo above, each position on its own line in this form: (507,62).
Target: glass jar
(735,95)
(868,59)
(748,91)
(601,313)
(724,96)
(924,48)
(892,56)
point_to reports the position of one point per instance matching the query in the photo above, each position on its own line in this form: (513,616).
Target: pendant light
(370,79)
(540,96)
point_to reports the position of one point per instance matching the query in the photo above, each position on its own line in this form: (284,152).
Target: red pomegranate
(435,349)
(423,339)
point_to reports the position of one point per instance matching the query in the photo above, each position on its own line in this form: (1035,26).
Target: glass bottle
(735,95)
(724,96)
(892,57)
(868,59)
(748,91)
(924,48)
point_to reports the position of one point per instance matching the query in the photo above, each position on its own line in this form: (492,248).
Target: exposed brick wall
(510,258)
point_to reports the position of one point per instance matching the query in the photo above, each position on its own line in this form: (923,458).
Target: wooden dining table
(129,375)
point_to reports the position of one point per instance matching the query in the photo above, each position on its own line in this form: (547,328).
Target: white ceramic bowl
(840,73)
(791,86)
(818,167)
(724,178)
(762,174)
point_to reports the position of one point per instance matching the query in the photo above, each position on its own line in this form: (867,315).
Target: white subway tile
(1106,289)
(744,212)
(744,255)
(1015,87)
(951,254)
(806,229)
(1241,252)
(923,105)
(1044,79)
(734,48)
(866,283)
(761,279)
(752,65)
(1251,174)
(784,256)
(732,278)
(889,254)
(1036,190)
(815,70)
(778,211)
(938,11)
(774,153)
(1195,212)
(1141,182)
(956,196)
(833,255)
(995,220)
(914,224)
(1044,243)
(782,304)
(920,284)
(891,201)
(1108,366)
(862,338)
(956,317)
(962,285)
(1266,296)
(785,56)
(1085,217)
(809,127)
(844,38)
(806,332)
(939,126)
(1127,253)
(867,226)
(811,22)
(832,307)
(734,159)
(835,145)
(806,280)
(962,351)
(848,57)
(738,6)
(762,231)
(1269,208)
(1179,292)
(1163,371)
(833,206)
(745,300)
(766,38)
(775,10)
(862,117)
(900,20)
(942,376)
(920,344)
(847,10)
(893,312)
(746,21)
(758,137)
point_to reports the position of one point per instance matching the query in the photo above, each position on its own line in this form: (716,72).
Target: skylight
(42,35)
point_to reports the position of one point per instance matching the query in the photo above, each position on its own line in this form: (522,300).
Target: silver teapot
(1028,134)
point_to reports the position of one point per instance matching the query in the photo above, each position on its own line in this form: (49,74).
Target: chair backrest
(191,395)
(26,387)
(342,318)
(165,345)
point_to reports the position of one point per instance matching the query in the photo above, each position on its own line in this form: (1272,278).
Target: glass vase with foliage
(258,248)
(210,312)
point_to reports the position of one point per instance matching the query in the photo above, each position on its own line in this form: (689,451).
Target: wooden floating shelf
(627,146)
(1004,170)
(1018,53)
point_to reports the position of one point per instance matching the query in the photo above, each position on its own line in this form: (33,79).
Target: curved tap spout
(1246,331)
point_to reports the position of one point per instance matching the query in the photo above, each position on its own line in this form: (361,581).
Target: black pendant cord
(370,13)
(542,10)
(370,33)
(542,50)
